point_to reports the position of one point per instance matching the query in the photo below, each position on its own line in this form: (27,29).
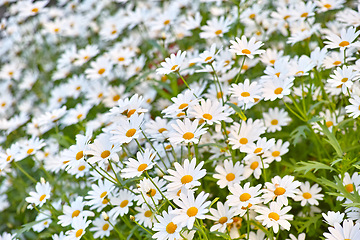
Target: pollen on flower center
(279,191)
(171,228)
(101,71)
(219,94)
(208,58)
(42,197)
(275,153)
(161,130)
(218,32)
(223,220)
(274,122)
(344,44)
(244,197)
(131,132)
(337,62)
(278,90)
(243,140)
(30,150)
(183,105)
(148,213)
(299,73)
(245,94)
(246,51)
(35,10)
(344,79)
(174,67)
(272,61)
(191,212)
(121,59)
(307,195)
(274,216)
(75,213)
(103,194)
(81,168)
(105,227)
(207,116)
(78,233)
(188,135)
(186,179)
(151,192)
(329,123)
(105,154)
(142,167)
(116,97)
(305,14)
(230,177)
(130,112)
(254,165)
(124,203)
(8,158)
(166,22)
(327,5)
(258,150)
(349,187)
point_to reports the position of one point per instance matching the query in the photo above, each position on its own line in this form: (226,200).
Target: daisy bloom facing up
(347,231)
(308,194)
(134,168)
(186,175)
(210,111)
(333,217)
(172,64)
(41,194)
(275,119)
(165,228)
(222,216)
(127,129)
(215,27)
(276,151)
(276,88)
(244,198)
(190,208)
(76,209)
(275,216)
(121,203)
(246,92)
(243,47)
(229,174)
(354,109)
(186,132)
(346,38)
(102,149)
(79,225)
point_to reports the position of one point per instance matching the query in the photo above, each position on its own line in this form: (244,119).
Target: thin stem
(238,75)
(117,231)
(24,172)
(263,167)
(148,176)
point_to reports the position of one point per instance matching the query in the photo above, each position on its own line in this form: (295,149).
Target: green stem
(24,172)
(238,76)
(162,194)
(263,167)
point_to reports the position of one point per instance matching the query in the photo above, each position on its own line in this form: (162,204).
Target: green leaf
(332,140)
(298,134)
(27,227)
(312,166)
(238,111)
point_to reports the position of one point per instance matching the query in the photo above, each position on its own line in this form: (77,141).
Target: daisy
(258,148)
(100,68)
(276,151)
(128,107)
(351,183)
(165,228)
(121,202)
(244,198)
(275,119)
(222,216)
(76,209)
(127,129)
(41,194)
(186,175)
(271,56)
(300,237)
(186,132)
(98,195)
(101,227)
(134,168)
(275,216)
(84,55)
(347,231)
(76,152)
(243,47)
(215,27)
(157,129)
(182,102)
(145,217)
(246,92)
(343,77)
(276,88)
(308,194)
(354,109)
(229,174)
(148,192)
(253,166)
(76,114)
(326,5)
(280,189)
(79,225)
(210,112)
(102,149)
(190,208)
(345,40)
(208,56)
(43,220)
(332,218)
(172,64)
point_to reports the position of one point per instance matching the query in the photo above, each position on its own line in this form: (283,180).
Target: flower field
(181,119)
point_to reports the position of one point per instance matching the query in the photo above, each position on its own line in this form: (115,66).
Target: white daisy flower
(102,149)
(135,167)
(121,202)
(41,194)
(76,209)
(229,174)
(307,194)
(222,216)
(172,64)
(354,109)
(332,217)
(244,198)
(245,92)
(186,132)
(347,231)
(346,39)
(79,225)
(210,111)
(275,119)
(127,129)
(243,47)
(165,228)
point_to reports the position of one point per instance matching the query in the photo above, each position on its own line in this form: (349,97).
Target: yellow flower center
(274,122)
(142,167)
(278,90)
(219,94)
(246,51)
(243,141)
(161,130)
(329,124)
(79,233)
(30,150)
(305,14)
(75,213)
(8,158)
(272,61)
(131,132)
(121,59)
(188,135)
(230,177)
(349,187)
(223,220)
(307,195)
(174,67)
(258,150)
(191,212)
(42,197)
(275,153)
(103,194)
(101,71)
(180,114)
(244,197)
(116,98)
(218,32)
(274,216)
(327,5)
(186,179)
(105,227)
(245,94)
(344,79)
(208,58)
(105,154)
(79,155)
(183,105)
(344,44)
(207,116)
(337,62)
(151,192)
(130,112)
(81,168)
(171,228)
(277,74)
(254,165)
(124,203)
(279,191)
(148,213)
(166,22)
(299,73)
(35,10)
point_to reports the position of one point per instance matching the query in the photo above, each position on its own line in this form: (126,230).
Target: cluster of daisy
(179,119)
